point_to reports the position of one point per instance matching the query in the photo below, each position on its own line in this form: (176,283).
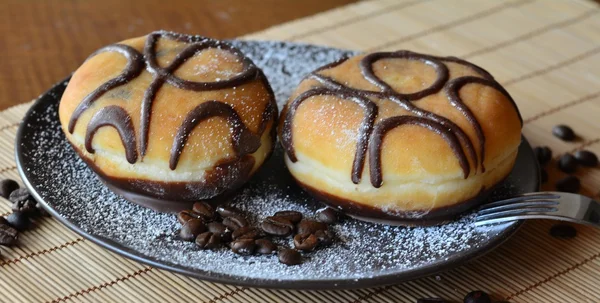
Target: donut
(400,137)
(168,119)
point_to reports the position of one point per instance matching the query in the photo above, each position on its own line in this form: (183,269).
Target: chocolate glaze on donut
(371,134)
(244,141)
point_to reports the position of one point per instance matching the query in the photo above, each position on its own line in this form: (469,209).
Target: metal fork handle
(542,205)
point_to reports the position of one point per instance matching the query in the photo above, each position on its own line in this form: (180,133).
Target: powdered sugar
(362,250)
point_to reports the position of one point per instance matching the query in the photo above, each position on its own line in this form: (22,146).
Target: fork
(542,205)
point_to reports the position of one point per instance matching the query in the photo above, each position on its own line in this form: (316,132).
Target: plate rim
(318,284)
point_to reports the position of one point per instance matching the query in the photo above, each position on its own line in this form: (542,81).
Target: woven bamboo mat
(545,52)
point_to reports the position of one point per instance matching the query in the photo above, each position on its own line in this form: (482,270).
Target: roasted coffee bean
(191,229)
(7,186)
(567,163)
(563,132)
(42,212)
(543,154)
(265,247)
(277,226)
(208,240)
(8,234)
(21,195)
(205,210)
(289,256)
(477,296)
(27,206)
(325,237)
(291,215)
(305,242)
(243,246)
(544,175)
(431,300)
(327,215)
(227,211)
(235,221)
(19,221)
(245,232)
(563,231)
(586,158)
(310,226)
(184,216)
(569,184)
(221,230)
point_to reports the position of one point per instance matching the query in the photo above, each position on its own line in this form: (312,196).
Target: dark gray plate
(365,254)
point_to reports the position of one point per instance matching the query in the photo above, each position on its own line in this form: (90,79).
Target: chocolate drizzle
(369,107)
(118,118)
(135,65)
(244,140)
(388,124)
(372,134)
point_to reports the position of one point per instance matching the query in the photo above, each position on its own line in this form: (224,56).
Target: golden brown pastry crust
(400,136)
(170,117)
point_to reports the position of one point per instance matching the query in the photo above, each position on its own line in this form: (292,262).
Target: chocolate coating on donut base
(436,216)
(173,197)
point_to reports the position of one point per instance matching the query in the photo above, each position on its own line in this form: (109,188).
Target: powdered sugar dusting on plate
(362,250)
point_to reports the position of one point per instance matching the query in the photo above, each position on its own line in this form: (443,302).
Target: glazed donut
(168,119)
(400,137)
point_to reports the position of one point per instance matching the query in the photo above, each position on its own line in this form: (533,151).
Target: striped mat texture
(545,52)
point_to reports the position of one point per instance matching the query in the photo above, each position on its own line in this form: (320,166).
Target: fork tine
(518,205)
(516,212)
(522,198)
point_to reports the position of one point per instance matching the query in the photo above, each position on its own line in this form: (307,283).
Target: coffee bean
(227,211)
(477,296)
(243,246)
(325,237)
(327,215)
(245,232)
(21,195)
(310,226)
(586,158)
(184,216)
(191,229)
(20,221)
(26,206)
(235,221)
(543,154)
(563,231)
(221,230)
(277,226)
(8,234)
(205,210)
(431,300)
(7,186)
(544,175)
(289,256)
(305,242)
(569,184)
(42,212)
(291,215)
(265,247)
(208,240)
(563,132)
(567,163)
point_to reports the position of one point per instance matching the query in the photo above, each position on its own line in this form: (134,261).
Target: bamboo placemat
(545,52)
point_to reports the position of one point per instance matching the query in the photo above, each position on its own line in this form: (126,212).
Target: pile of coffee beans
(24,207)
(567,163)
(223,226)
